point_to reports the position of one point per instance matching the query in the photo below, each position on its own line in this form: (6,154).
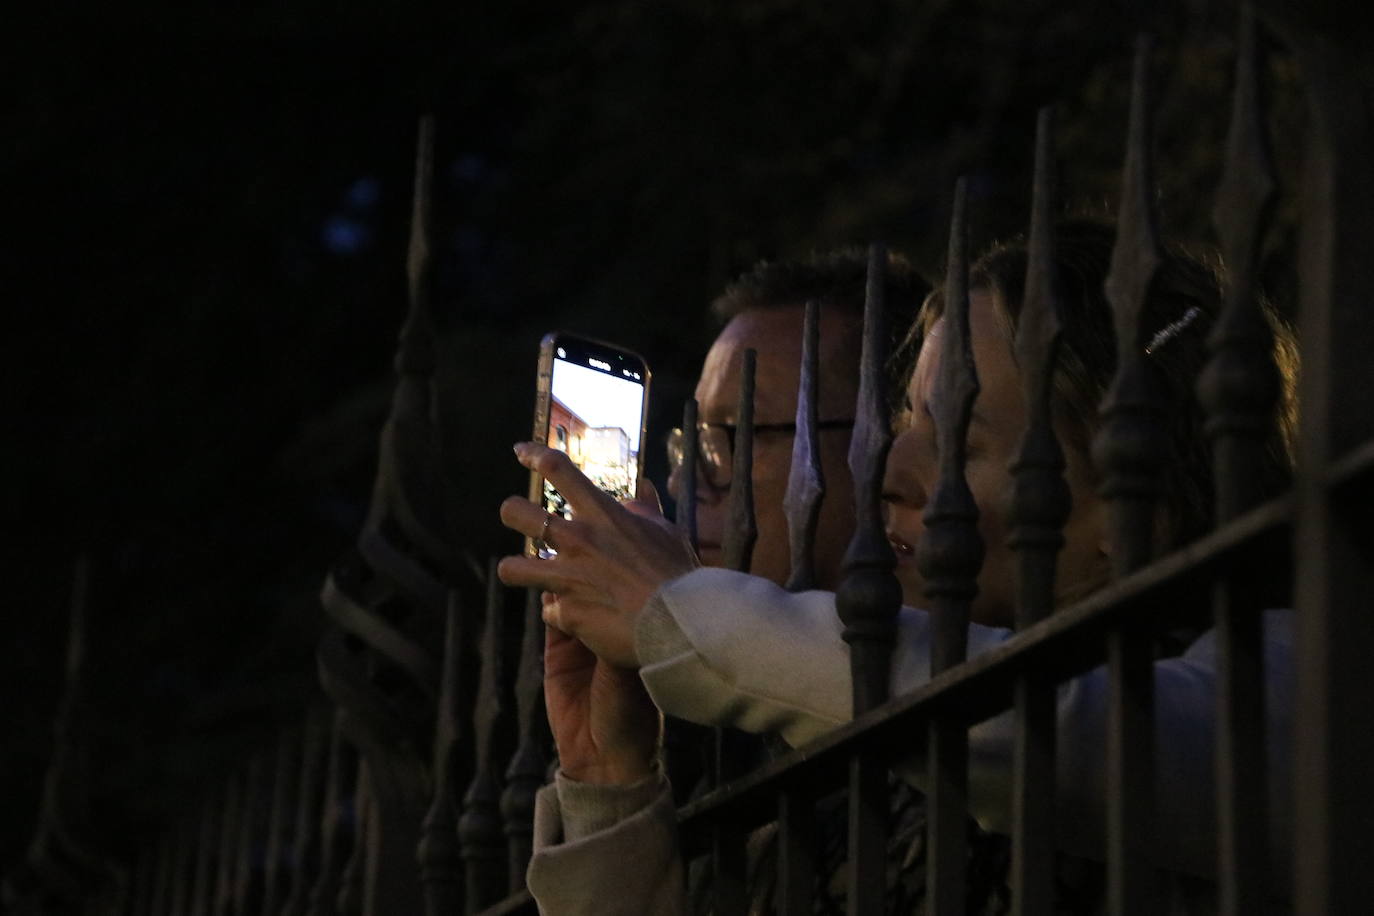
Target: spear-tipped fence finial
(869,594)
(806,479)
(416,354)
(950,551)
(741,527)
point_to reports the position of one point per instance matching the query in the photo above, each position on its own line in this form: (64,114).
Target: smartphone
(591,400)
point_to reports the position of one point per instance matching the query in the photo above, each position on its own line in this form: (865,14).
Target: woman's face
(999,418)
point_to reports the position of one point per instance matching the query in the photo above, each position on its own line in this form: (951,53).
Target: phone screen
(596,415)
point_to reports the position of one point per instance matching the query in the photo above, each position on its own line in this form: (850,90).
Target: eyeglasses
(716,446)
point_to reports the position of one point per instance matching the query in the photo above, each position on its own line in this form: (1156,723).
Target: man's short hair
(834,279)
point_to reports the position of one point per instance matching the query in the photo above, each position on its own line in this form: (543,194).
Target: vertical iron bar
(479,828)
(182,867)
(949,555)
(441,866)
(687,765)
(805,489)
(223,902)
(1040,506)
(309,796)
(205,842)
(276,825)
(527,767)
(162,876)
(796,853)
(1334,721)
(325,891)
(145,880)
(868,600)
(728,863)
(741,529)
(247,838)
(1238,388)
(1129,453)
(350,899)
(687,495)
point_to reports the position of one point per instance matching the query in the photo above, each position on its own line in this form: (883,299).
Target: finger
(554,638)
(646,503)
(529,572)
(557,468)
(519,514)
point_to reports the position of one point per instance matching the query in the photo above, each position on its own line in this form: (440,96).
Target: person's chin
(913,589)
(710,554)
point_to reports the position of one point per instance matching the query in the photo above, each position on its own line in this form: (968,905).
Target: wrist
(613,770)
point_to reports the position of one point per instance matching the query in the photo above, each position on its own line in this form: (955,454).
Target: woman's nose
(901,481)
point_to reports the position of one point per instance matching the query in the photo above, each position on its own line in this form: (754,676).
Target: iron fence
(416,792)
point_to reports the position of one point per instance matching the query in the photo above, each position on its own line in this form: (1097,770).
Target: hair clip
(1172,329)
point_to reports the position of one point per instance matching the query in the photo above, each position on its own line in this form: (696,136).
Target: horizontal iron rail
(1064,645)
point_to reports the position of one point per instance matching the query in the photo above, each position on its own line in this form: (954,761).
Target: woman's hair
(1183,303)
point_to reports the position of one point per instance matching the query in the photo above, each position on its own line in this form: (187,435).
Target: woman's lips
(906,553)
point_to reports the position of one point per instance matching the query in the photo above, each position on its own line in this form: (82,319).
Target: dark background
(207,218)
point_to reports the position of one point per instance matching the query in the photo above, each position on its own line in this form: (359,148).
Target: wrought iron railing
(416,792)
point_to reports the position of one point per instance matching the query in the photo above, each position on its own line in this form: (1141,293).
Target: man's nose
(706,493)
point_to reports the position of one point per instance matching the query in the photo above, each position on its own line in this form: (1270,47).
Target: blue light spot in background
(364,193)
(469,167)
(345,236)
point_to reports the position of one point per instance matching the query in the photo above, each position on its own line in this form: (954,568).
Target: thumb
(646,503)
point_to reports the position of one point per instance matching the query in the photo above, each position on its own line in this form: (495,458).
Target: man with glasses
(586,825)
(764,310)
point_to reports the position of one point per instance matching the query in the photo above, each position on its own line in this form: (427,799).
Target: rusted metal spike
(324,893)
(1238,389)
(1129,445)
(525,774)
(741,528)
(806,481)
(1129,451)
(869,594)
(687,492)
(1041,500)
(479,828)
(1137,255)
(1240,384)
(1040,506)
(950,551)
(441,867)
(416,354)
(308,798)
